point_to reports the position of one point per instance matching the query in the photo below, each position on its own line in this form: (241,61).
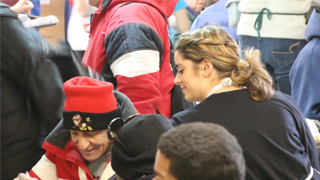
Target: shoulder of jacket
(6,11)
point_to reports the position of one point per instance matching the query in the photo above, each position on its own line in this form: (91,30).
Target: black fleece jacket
(31,96)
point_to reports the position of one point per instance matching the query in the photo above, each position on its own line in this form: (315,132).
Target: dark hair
(216,45)
(134,149)
(203,151)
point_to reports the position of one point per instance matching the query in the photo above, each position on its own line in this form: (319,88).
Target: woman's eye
(181,71)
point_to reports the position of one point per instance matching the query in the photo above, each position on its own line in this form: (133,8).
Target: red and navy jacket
(129,46)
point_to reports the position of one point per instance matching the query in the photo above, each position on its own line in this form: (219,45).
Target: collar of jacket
(105,3)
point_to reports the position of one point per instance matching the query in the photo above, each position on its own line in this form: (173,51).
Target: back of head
(133,152)
(216,45)
(203,151)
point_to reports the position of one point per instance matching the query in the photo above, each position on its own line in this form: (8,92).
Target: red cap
(89,95)
(90,104)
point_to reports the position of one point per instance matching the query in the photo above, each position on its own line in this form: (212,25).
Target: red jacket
(63,160)
(65,163)
(129,46)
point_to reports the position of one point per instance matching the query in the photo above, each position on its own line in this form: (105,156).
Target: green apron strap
(258,23)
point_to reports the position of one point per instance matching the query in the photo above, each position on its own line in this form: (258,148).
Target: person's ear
(207,67)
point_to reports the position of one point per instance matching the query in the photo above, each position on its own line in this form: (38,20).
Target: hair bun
(242,63)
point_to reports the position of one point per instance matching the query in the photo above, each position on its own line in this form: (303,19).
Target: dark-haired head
(203,151)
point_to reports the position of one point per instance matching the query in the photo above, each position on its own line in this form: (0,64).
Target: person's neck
(227,89)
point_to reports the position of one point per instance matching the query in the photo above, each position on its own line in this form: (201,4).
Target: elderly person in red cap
(79,147)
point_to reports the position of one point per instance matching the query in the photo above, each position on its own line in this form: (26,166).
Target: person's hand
(23,176)
(22,6)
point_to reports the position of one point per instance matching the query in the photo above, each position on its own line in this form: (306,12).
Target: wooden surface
(56,8)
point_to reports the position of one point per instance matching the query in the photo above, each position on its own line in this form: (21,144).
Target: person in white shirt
(276,28)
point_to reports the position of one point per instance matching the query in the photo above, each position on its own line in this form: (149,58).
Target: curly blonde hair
(216,45)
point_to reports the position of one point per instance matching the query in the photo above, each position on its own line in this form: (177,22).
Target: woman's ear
(206,67)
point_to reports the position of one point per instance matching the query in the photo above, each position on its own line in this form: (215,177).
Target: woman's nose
(177,80)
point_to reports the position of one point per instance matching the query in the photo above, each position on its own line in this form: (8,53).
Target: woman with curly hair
(238,94)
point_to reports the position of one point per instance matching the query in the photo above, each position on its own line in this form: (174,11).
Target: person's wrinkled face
(187,78)
(161,167)
(94,3)
(91,144)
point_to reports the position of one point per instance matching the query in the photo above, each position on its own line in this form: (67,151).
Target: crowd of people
(215,103)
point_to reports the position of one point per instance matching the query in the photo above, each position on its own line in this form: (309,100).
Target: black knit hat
(133,152)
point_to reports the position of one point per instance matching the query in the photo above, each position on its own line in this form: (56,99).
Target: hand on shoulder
(22,6)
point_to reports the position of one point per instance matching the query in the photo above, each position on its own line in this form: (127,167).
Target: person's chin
(184,90)
(90,158)
(90,155)
(190,98)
